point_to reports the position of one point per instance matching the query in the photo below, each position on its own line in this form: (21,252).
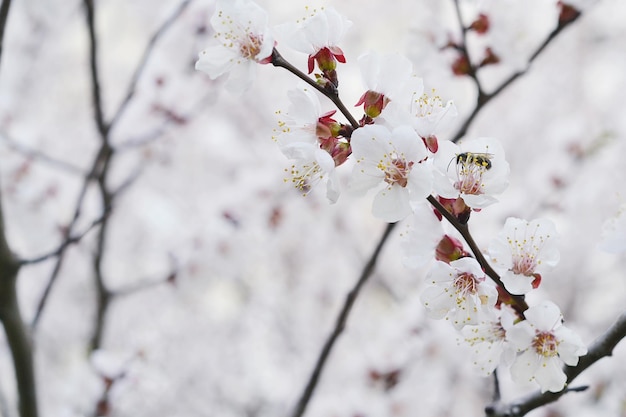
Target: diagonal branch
(340,324)
(484,98)
(144,59)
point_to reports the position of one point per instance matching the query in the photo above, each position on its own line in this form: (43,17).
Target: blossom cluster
(398,151)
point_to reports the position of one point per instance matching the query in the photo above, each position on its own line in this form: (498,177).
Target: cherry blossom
(545,345)
(460,292)
(614,233)
(394,159)
(488,340)
(299,141)
(474,170)
(242,40)
(421,237)
(426,112)
(385,77)
(522,251)
(318,35)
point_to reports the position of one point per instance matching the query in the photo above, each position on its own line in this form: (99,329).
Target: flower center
(250,47)
(545,344)
(396,169)
(525,252)
(466,284)
(524,264)
(427,105)
(304,176)
(470,177)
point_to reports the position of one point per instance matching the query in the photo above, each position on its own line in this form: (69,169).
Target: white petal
(422,237)
(517,284)
(549,374)
(545,316)
(216,60)
(525,366)
(241,77)
(391,204)
(520,335)
(437,301)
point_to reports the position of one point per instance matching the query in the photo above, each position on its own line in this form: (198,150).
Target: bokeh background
(227,281)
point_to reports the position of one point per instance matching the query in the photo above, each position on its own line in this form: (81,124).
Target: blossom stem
(518,301)
(279,61)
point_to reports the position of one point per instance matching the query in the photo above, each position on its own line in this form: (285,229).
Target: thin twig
(38,155)
(279,61)
(483,98)
(144,60)
(340,324)
(70,240)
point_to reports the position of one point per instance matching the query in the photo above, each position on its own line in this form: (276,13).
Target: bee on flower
(475,171)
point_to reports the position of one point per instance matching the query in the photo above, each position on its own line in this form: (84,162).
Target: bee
(482,160)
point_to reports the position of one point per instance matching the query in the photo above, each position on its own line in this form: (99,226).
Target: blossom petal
(391,204)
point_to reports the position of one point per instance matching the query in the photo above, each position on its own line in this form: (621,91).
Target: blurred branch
(16,333)
(4,14)
(603,346)
(101,169)
(38,155)
(340,325)
(70,240)
(483,98)
(144,59)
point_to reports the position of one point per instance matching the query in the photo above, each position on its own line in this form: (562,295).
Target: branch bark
(340,325)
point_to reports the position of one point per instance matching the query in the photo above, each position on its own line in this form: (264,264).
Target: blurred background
(224,281)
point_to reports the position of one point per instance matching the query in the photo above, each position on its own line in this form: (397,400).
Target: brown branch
(602,347)
(518,301)
(17,335)
(279,61)
(4,15)
(483,98)
(340,324)
(144,60)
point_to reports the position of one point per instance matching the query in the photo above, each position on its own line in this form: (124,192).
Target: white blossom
(488,340)
(522,251)
(460,292)
(474,170)
(395,160)
(298,140)
(242,40)
(544,345)
(322,28)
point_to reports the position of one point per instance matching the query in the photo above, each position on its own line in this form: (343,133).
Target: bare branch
(340,324)
(38,155)
(4,15)
(144,59)
(483,98)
